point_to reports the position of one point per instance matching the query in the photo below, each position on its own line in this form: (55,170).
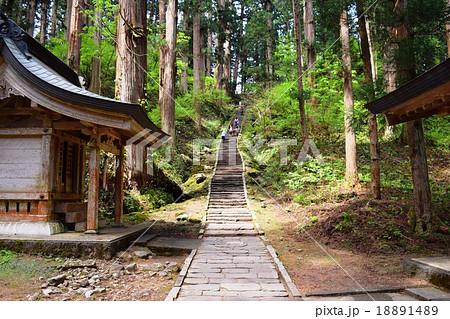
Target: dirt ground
(325,261)
(22,276)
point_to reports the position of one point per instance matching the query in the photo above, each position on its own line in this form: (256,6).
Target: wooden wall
(20,164)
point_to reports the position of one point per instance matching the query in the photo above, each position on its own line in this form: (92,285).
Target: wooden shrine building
(51,134)
(426,95)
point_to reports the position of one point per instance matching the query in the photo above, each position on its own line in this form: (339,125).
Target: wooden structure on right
(426,95)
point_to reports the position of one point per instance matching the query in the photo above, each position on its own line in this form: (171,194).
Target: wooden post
(93,187)
(118,189)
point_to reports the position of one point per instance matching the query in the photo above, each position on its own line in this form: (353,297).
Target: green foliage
(6,256)
(135,201)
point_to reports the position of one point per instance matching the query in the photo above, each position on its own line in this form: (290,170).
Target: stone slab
(428,293)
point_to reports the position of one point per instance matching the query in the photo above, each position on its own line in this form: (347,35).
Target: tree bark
(269,43)
(168,99)
(54,18)
(298,49)
(73,55)
(372,120)
(95,85)
(162,53)
(351,172)
(44,22)
(389,75)
(198,68)
(220,40)
(227,51)
(424,219)
(238,49)
(310,54)
(209,47)
(447,30)
(68,17)
(131,63)
(184,51)
(30,16)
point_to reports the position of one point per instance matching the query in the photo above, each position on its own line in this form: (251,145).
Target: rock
(162,273)
(208,168)
(83,282)
(44,285)
(199,178)
(142,254)
(89,293)
(51,291)
(115,268)
(54,281)
(96,277)
(207,150)
(182,217)
(173,267)
(125,255)
(263,204)
(75,285)
(47,292)
(156,267)
(33,297)
(116,275)
(131,267)
(73,264)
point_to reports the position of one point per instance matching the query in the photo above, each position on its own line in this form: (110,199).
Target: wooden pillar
(118,189)
(93,187)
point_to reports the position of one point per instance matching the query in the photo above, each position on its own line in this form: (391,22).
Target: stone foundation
(31,228)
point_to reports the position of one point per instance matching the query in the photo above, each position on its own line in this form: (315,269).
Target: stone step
(228,225)
(434,269)
(229,219)
(230,233)
(428,294)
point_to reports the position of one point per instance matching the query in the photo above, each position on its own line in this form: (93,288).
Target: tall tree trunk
(95,85)
(227,51)
(184,51)
(269,44)
(54,19)
(131,63)
(76,27)
(68,17)
(351,171)
(389,76)
(131,66)
(168,118)
(209,47)
(298,49)
(202,58)
(308,17)
(44,21)
(220,40)
(238,48)
(197,42)
(373,58)
(447,30)
(423,218)
(372,121)
(30,16)
(310,54)
(162,53)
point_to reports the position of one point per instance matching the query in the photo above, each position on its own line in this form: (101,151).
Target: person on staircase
(224,134)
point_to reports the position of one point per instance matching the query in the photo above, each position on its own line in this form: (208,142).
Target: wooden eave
(56,93)
(426,95)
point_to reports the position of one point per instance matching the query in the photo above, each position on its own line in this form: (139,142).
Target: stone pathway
(232,261)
